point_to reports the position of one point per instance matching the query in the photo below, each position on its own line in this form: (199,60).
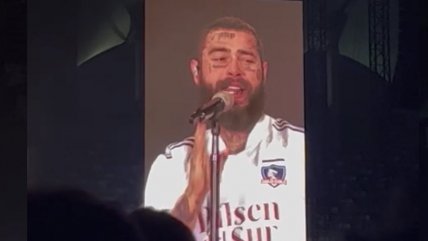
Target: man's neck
(235,140)
(235,129)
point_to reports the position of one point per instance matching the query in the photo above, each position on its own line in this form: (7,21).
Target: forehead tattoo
(221,35)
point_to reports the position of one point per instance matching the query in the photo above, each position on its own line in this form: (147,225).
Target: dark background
(84,121)
(366,140)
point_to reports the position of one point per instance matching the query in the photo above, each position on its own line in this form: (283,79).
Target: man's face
(230,61)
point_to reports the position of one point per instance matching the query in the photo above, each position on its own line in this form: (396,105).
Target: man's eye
(248,61)
(220,59)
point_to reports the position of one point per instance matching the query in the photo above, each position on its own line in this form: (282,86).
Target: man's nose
(234,68)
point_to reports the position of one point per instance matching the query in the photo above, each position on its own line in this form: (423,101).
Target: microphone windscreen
(227,99)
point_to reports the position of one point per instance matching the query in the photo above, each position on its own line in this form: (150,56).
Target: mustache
(225,83)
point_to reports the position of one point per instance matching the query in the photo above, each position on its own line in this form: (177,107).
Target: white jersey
(262,188)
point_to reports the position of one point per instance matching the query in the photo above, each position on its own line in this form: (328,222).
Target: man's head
(230,59)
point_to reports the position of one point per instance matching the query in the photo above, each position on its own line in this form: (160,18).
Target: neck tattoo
(235,140)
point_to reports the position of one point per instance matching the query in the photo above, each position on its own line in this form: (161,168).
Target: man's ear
(265,70)
(194,70)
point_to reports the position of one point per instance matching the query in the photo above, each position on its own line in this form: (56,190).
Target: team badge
(274,175)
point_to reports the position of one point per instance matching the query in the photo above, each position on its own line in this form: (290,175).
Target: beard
(238,118)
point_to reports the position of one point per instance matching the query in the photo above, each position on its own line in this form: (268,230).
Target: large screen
(171,31)
(262,186)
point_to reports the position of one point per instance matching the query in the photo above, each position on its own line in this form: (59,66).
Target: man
(262,182)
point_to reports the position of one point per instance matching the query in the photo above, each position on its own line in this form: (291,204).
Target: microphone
(221,102)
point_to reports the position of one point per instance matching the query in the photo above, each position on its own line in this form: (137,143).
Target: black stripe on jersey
(173,145)
(281,125)
(168,151)
(294,128)
(280,121)
(186,142)
(274,160)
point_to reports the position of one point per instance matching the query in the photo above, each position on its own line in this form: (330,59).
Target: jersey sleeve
(165,183)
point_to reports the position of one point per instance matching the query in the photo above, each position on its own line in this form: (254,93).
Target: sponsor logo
(254,222)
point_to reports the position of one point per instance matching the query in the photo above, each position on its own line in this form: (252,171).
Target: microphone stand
(215,189)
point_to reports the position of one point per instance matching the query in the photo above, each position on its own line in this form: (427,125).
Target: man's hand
(189,204)
(199,172)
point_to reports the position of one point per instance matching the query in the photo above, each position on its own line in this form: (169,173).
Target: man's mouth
(238,93)
(234,90)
